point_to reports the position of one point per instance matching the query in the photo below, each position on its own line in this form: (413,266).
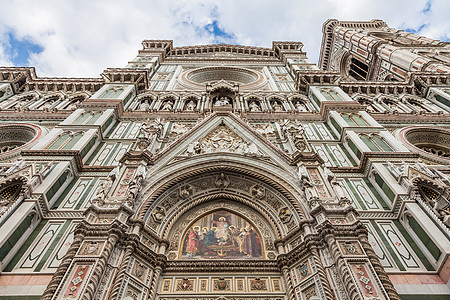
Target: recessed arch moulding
(263,200)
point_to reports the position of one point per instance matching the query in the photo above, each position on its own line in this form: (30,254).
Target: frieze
(228,284)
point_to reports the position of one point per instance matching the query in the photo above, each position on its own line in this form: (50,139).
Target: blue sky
(81,38)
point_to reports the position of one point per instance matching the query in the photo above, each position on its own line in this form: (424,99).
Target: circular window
(433,143)
(202,76)
(15,137)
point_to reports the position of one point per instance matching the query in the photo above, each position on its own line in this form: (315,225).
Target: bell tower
(372,51)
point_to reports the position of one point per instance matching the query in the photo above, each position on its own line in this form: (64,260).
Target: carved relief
(91,248)
(350,248)
(258,284)
(222,139)
(184,285)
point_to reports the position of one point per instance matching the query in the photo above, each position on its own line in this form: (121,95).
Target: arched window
(368,103)
(66,141)
(331,94)
(112,93)
(72,104)
(358,69)
(375,143)
(354,120)
(49,103)
(416,105)
(391,105)
(88,118)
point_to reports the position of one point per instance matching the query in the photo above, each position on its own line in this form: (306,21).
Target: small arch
(254,105)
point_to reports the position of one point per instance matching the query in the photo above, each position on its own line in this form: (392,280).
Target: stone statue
(145,105)
(222,101)
(254,107)
(277,107)
(191,105)
(168,106)
(103,191)
(141,171)
(335,184)
(135,184)
(300,106)
(305,184)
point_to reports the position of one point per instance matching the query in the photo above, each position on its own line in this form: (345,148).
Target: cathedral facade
(232,172)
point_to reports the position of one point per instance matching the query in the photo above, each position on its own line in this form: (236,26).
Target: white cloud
(82,38)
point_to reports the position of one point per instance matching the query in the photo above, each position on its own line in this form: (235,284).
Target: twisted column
(346,277)
(322,274)
(96,276)
(287,279)
(121,272)
(155,279)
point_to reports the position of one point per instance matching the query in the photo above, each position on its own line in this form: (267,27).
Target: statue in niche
(277,107)
(254,106)
(222,101)
(300,106)
(305,184)
(136,183)
(106,186)
(47,104)
(145,105)
(191,105)
(167,106)
(335,184)
(73,104)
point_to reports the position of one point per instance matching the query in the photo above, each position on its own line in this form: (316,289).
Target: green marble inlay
(414,246)
(52,247)
(388,246)
(25,246)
